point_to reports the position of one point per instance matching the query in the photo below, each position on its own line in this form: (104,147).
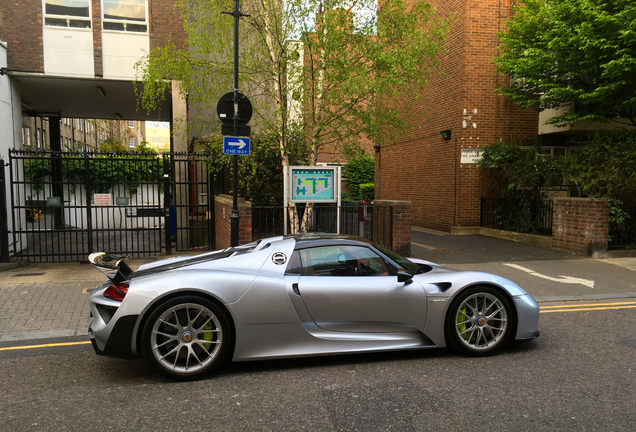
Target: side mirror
(405,277)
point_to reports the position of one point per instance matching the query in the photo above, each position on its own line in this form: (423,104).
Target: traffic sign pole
(234,218)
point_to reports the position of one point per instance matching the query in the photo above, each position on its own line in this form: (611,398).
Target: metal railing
(517,214)
(65,205)
(355,219)
(622,233)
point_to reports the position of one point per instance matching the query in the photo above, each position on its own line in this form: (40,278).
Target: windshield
(405,264)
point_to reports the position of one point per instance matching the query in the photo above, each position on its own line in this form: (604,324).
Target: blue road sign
(236,145)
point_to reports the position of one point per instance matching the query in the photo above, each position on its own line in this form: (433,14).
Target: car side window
(294,266)
(342,261)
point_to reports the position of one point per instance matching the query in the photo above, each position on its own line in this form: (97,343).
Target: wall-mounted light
(376,148)
(446,134)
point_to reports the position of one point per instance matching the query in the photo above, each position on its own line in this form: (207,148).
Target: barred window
(67,13)
(125,15)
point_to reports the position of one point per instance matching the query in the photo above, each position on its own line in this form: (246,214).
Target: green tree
(315,68)
(578,54)
(358,172)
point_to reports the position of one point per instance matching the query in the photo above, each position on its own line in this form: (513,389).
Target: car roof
(326,239)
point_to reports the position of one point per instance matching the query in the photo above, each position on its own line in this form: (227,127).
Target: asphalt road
(579,375)
(547,274)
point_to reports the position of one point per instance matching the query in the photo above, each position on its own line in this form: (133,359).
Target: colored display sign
(313,184)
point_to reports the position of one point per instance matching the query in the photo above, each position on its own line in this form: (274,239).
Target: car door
(351,288)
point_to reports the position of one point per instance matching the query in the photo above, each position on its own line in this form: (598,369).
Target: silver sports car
(312,294)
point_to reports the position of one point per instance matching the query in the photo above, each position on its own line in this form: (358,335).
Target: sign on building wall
(471,156)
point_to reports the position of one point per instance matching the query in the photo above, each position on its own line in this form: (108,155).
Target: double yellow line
(587,307)
(543,309)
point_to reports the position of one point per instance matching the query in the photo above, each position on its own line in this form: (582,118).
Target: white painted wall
(120,52)
(68,52)
(10,137)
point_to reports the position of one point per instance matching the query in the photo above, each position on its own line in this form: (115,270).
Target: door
(350,288)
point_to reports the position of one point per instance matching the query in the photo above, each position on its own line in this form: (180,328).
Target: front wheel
(187,337)
(479,321)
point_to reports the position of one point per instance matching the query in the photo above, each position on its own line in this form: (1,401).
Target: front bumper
(527,317)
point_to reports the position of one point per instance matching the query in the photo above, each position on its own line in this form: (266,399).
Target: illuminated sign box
(313,184)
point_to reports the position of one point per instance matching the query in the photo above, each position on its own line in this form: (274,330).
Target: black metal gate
(66,205)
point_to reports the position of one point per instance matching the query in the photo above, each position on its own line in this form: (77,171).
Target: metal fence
(355,219)
(65,205)
(517,214)
(622,230)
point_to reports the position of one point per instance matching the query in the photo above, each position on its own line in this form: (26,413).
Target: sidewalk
(39,301)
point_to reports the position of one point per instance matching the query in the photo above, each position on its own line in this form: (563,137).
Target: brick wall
(21,28)
(580,225)
(422,167)
(96,8)
(222,212)
(166,24)
(396,217)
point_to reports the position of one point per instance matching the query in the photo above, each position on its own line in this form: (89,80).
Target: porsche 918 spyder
(303,295)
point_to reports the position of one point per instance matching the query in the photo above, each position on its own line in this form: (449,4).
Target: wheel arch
(141,322)
(487,284)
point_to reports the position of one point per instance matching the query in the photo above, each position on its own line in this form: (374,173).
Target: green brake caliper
(208,335)
(461,318)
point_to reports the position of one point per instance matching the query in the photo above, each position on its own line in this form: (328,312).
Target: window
(131,124)
(67,13)
(43,138)
(26,136)
(131,142)
(37,138)
(342,261)
(125,15)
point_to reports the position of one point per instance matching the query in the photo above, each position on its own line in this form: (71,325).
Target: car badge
(279,258)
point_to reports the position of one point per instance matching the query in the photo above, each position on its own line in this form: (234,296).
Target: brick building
(437,171)
(81,134)
(75,59)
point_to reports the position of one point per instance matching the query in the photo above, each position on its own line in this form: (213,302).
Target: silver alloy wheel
(481,321)
(186,338)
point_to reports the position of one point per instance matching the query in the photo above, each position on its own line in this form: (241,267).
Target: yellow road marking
(588,309)
(544,309)
(577,305)
(44,345)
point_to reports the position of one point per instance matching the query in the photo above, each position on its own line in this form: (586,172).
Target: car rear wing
(114,267)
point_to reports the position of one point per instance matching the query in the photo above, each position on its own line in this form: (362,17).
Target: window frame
(146,22)
(68,18)
(390,271)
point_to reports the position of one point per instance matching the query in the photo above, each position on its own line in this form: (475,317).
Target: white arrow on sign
(561,278)
(240,144)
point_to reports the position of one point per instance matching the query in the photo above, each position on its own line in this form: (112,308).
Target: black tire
(480,321)
(187,337)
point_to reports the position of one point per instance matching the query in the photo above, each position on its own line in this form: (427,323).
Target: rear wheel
(479,321)
(187,337)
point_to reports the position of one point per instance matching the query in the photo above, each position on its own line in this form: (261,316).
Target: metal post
(210,212)
(57,186)
(89,207)
(167,223)
(4,220)
(234,218)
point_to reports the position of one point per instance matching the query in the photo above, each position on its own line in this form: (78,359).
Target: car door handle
(295,288)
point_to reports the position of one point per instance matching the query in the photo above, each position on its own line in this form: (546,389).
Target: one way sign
(236,145)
